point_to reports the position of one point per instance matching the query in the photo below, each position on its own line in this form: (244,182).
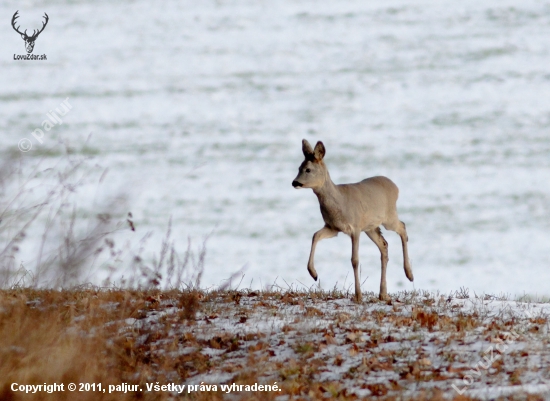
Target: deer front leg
(355,263)
(324,232)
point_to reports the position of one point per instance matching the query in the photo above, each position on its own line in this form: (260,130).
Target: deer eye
(308,170)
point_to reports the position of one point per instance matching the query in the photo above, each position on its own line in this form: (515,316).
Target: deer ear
(319,151)
(307,149)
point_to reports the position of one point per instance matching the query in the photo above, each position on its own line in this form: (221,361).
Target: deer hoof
(384,297)
(312,273)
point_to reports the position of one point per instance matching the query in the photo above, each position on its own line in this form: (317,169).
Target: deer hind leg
(376,237)
(399,228)
(324,232)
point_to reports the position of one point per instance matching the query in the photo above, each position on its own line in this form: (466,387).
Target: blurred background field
(196,110)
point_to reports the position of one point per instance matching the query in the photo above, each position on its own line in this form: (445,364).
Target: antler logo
(29,40)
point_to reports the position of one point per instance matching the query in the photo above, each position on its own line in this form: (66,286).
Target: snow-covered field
(318,345)
(197,110)
(213,345)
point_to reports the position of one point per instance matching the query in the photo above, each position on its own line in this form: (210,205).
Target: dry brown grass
(76,336)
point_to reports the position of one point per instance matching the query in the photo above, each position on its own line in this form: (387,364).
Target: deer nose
(297,184)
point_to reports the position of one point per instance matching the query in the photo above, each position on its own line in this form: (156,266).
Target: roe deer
(352,208)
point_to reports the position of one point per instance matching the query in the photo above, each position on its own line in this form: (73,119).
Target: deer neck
(328,192)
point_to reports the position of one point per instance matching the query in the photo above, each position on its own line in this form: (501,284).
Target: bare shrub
(41,202)
(33,198)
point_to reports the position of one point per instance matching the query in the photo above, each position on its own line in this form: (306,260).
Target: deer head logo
(29,40)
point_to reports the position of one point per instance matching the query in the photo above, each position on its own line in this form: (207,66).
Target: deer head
(29,40)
